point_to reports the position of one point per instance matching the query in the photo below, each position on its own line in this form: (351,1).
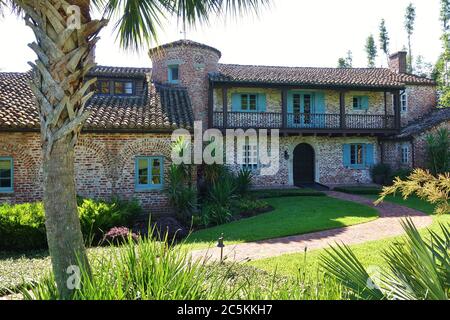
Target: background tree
(410,19)
(422,67)
(384,38)
(65,36)
(371,50)
(346,62)
(441,71)
(438,151)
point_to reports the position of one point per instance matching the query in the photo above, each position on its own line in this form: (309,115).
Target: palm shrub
(182,197)
(417,269)
(438,151)
(243,182)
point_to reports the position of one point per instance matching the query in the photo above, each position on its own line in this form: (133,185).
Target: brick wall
(420,153)
(194,65)
(104,164)
(421,100)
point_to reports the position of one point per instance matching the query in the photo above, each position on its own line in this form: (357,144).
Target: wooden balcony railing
(273,120)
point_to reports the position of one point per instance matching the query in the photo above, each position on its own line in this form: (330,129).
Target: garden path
(387,225)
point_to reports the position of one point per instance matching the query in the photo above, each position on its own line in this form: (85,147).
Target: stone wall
(329,167)
(420,153)
(104,164)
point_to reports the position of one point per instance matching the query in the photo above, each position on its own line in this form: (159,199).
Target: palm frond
(341,263)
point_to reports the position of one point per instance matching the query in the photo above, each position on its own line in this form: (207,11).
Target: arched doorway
(303,164)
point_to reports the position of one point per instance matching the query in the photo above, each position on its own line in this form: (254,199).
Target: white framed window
(250,156)
(405,154)
(404,102)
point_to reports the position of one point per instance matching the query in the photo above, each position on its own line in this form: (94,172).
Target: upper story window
(116,87)
(149,173)
(6,174)
(123,87)
(103,87)
(248,102)
(174,73)
(405,154)
(360,102)
(404,102)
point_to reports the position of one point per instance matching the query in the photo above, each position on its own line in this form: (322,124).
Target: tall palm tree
(65,36)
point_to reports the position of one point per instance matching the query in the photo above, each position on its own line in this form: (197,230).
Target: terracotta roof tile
(430,120)
(344,77)
(161,107)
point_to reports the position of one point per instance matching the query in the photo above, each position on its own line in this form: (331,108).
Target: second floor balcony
(302,121)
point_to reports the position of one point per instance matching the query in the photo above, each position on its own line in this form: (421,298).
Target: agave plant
(417,269)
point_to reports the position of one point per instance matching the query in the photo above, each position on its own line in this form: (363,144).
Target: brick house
(334,123)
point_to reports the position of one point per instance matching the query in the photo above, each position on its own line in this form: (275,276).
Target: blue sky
(291,32)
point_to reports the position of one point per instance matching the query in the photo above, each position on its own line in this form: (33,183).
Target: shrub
(243,182)
(380,173)
(214,214)
(249,205)
(22,226)
(118,236)
(98,216)
(359,190)
(438,152)
(181,196)
(402,173)
(223,192)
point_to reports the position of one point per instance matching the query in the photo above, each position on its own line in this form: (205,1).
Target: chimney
(397,62)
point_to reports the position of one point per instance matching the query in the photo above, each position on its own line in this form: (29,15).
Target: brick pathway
(387,225)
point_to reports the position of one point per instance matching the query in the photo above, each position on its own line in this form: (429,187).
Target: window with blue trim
(149,173)
(249,102)
(6,174)
(360,102)
(174,73)
(357,157)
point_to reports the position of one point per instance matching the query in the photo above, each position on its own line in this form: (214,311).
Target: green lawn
(369,253)
(292,216)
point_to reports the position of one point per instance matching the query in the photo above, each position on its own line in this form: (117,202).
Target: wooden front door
(303,164)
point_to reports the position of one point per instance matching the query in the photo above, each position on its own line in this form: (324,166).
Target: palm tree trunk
(63,49)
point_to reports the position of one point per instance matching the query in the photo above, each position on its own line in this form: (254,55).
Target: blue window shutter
(320,102)
(235,102)
(369,155)
(346,155)
(290,102)
(365,103)
(262,101)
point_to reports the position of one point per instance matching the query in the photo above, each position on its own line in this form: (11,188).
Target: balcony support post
(225,107)
(397,109)
(342,109)
(284,106)
(211,105)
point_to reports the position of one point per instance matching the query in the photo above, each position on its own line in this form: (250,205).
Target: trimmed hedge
(22,226)
(278,193)
(359,190)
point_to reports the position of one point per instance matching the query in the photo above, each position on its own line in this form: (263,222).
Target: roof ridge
(299,67)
